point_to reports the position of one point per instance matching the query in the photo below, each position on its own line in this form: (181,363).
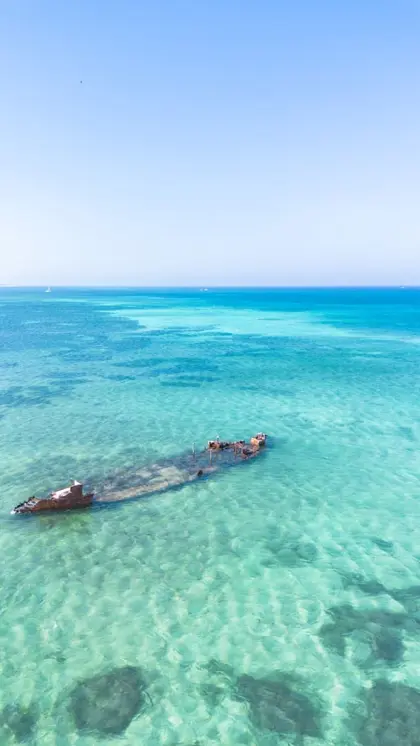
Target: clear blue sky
(210,142)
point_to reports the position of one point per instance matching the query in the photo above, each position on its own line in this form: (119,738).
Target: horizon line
(208,287)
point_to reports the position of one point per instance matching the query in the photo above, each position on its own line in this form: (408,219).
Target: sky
(209,142)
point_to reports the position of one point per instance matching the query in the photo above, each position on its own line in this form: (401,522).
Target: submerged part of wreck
(174,472)
(164,475)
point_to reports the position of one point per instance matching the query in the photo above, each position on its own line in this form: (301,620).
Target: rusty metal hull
(38,505)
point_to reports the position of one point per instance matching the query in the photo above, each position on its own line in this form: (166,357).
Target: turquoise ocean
(277,602)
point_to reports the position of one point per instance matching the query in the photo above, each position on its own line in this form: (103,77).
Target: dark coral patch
(219,684)
(410,599)
(20,721)
(392,716)
(388,645)
(291,552)
(217,668)
(276,704)
(380,630)
(106,704)
(212,693)
(369,587)
(386,546)
(121,378)
(38,394)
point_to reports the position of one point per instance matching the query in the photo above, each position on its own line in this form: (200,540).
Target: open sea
(274,603)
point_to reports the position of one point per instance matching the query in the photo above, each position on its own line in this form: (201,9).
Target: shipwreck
(161,476)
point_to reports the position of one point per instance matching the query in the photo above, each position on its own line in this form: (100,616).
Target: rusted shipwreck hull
(69,498)
(164,475)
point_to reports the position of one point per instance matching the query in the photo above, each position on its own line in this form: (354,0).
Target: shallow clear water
(301,568)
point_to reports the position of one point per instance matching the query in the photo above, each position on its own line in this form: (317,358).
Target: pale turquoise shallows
(263,606)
